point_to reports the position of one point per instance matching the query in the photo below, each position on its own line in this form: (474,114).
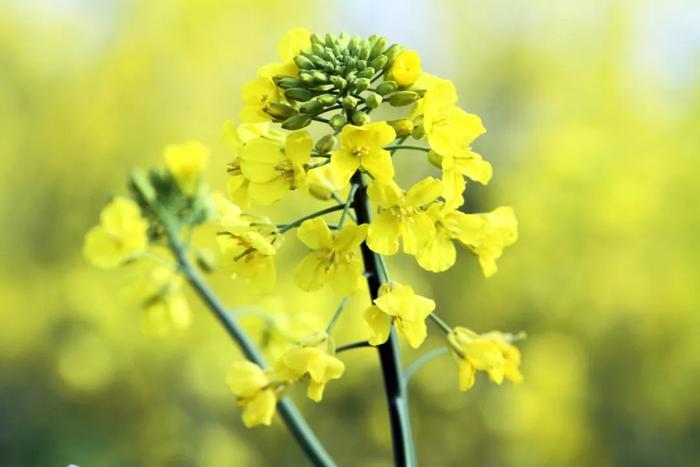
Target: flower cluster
(340,83)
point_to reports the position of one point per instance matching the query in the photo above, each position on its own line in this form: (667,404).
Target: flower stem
(352,345)
(406,146)
(294,421)
(402,439)
(422,361)
(441,324)
(298,222)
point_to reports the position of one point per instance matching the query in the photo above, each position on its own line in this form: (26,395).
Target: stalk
(291,417)
(402,439)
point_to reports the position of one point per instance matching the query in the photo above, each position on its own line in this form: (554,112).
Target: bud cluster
(337,73)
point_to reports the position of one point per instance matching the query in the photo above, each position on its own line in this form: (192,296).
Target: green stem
(294,421)
(441,324)
(352,345)
(284,228)
(336,315)
(402,439)
(422,361)
(406,146)
(348,202)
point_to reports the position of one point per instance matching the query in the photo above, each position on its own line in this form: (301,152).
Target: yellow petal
(260,409)
(383,233)
(269,192)
(311,273)
(344,165)
(414,331)
(439,253)
(416,232)
(384,193)
(378,164)
(350,238)
(347,278)
(298,147)
(466,375)
(379,325)
(245,378)
(424,192)
(315,234)
(292,43)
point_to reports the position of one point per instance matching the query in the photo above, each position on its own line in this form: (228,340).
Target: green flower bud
(339,82)
(360,118)
(303,63)
(325,144)
(319,62)
(327,99)
(286,82)
(306,78)
(311,107)
(435,159)
(361,64)
(349,102)
(363,52)
(378,47)
(296,122)
(418,130)
(331,40)
(392,52)
(317,49)
(378,63)
(361,84)
(320,77)
(301,94)
(373,100)
(316,39)
(402,127)
(420,92)
(280,111)
(337,121)
(354,45)
(401,98)
(141,185)
(387,87)
(366,73)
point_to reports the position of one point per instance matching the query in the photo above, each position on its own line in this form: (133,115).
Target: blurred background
(593,114)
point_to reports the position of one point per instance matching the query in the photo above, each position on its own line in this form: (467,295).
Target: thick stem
(389,358)
(294,421)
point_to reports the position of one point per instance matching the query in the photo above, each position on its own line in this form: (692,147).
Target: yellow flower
(363,147)
(450,132)
(236,137)
(272,170)
(400,305)
(165,308)
(401,216)
(261,91)
(406,68)
(322,182)
(248,251)
(122,232)
(254,391)
(491,352)
(186,162)
(293,42)
(334,258)
(511,354)
(313,358)
(500,230)
(439,253)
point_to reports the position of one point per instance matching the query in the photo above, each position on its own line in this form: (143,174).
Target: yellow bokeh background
(593,117)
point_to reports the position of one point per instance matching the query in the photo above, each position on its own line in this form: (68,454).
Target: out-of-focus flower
(254,391)
(186,162)
(401,216)
(313,358)
(122,233)
(334,258)
(400,305)
(489,352)
(363,147)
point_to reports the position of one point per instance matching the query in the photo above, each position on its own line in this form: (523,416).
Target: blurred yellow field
(591,115)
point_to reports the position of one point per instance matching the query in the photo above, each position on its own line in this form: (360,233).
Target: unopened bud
(361,84)
(301,94)
(303,63)
(401,98)
(327,99)
(142,186)
(280,111)
(360,118)
(337,121)
(378,63)
(349,102)
(339,82)
(296,122)
(435,159)
(366,73)
(320,77)
(378,47)
(387,87)
(306,78)
(286,82)
(402,127)
(311,107)
(418,130)
(325,144)
(392,52)
(373,100)
(361,64)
